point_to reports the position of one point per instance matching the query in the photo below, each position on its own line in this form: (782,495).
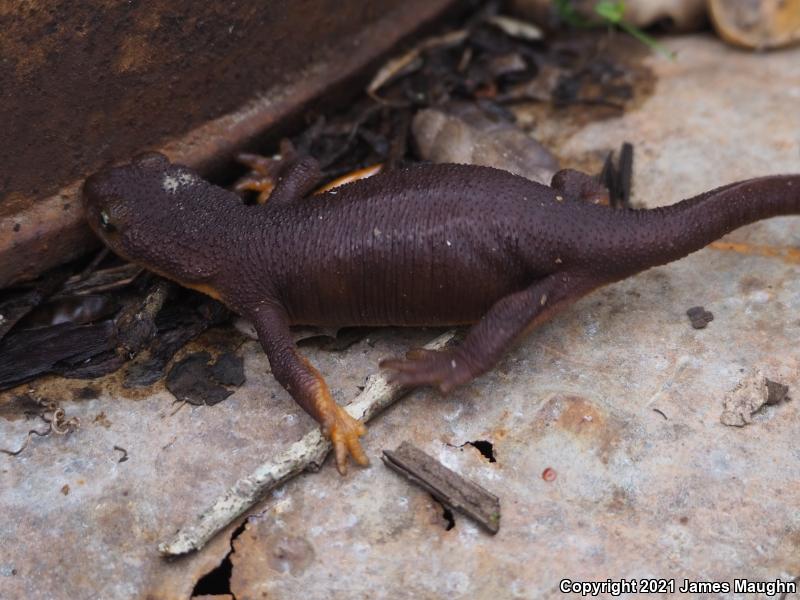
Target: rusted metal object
(88,84)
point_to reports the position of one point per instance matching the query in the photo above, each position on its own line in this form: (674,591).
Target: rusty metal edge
(51,231)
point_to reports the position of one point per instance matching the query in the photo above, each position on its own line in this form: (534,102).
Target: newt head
(160,215)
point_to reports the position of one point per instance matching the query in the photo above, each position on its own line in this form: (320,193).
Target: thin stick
(307,454)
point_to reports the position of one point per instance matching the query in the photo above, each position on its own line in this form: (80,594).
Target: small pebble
(699,317)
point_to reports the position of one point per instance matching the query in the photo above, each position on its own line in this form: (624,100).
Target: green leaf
(610,11)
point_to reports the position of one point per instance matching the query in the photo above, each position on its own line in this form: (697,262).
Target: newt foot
(264,171)
(343,431)
(262,177)
(443,369)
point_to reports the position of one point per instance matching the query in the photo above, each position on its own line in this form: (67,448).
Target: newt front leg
(306,385)
(280,181)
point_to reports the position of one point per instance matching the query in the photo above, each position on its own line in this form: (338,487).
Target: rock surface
(609,456)
(465,134)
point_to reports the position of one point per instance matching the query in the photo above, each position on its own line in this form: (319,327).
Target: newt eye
(105,221)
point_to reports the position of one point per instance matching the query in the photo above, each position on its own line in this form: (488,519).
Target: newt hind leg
(509,319)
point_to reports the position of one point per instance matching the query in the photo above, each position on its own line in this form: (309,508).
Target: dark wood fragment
(608,177)
(618,178)
(146,371)
(448,487)
(228,370)
(18,305)
(76,349)
(98,365)
(78,310)
(776,392)
(177,323)
(190,380)
(105,280)
(398,142)
(104,252)
(136,324)
(625,174)
(26,354)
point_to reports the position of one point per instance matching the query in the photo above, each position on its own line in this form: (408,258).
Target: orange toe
(343,432)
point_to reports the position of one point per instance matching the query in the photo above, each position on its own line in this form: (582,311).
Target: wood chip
(516,28)
(448,487)
(411,60)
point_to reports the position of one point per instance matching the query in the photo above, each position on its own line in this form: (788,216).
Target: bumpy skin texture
(427,245)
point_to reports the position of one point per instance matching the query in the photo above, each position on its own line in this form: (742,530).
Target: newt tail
(426,245)
(661,235)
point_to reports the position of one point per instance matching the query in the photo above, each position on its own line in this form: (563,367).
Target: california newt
(426,245)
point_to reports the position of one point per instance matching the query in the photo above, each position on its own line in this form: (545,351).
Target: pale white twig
(306,454)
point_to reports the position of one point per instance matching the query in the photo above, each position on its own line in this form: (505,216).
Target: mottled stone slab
(609,456)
